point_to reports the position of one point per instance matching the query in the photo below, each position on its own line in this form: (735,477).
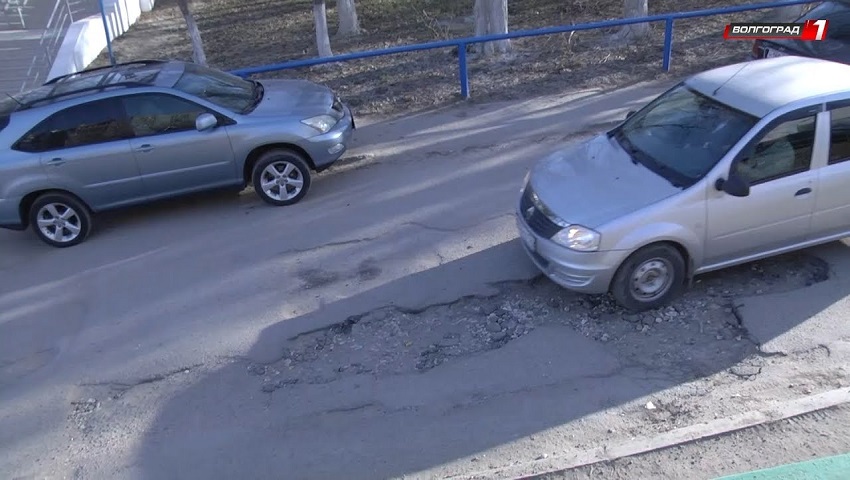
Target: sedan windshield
(223,89)
(682,134)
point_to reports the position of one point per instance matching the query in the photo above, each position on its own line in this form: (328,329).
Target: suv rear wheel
(281,177)
(60,220)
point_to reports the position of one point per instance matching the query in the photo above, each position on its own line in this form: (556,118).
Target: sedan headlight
(322,123)
(576,237)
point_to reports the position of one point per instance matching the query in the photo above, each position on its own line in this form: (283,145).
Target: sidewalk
(829,468)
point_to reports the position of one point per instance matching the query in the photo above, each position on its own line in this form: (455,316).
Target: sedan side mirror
(629,115)
(205,121)
(735,185)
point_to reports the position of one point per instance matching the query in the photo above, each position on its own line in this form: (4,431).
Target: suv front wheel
(60,220)
(281,177)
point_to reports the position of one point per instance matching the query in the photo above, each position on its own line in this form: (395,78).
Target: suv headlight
(576,237)
(322,123)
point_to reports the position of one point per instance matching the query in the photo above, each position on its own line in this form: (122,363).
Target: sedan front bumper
(583,272)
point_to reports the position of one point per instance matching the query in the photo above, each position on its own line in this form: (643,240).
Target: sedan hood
(294,97)
(595,182)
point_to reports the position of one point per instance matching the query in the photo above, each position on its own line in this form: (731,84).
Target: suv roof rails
(96,88)
(105,67)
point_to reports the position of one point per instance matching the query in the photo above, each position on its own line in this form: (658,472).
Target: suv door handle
(56,161)
(803,191)
(145,148)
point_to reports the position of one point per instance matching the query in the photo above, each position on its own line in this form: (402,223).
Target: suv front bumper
(327,148)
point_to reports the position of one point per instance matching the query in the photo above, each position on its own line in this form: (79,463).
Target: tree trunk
(499,24)
(198,55)
(482,25)
(348,22)
(634,9)
(491,18)
(323,41)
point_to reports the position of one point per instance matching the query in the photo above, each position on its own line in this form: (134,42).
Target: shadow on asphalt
(225,426)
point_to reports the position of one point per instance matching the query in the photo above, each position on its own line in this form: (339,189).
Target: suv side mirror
(629,115)
(205,121)
(735,185)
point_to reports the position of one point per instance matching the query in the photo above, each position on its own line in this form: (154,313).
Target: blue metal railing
(461,43)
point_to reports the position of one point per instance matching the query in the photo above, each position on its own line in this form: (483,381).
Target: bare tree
(634,9)
(320,18)
(349,24)
(198,55)
(491,18)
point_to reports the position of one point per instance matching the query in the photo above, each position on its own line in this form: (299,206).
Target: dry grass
(240,34)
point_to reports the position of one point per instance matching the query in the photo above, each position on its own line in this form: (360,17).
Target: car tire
(60,220)
(272,182)
(649,278)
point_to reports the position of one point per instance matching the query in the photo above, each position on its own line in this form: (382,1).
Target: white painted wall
(86,38)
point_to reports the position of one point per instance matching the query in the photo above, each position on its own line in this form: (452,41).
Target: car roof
(759,87)
(142,73)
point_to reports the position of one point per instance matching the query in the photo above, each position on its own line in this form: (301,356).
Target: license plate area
(773,53)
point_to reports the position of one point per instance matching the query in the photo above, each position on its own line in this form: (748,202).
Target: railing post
(70,13)
(668,43)
(464,71)
(106,29)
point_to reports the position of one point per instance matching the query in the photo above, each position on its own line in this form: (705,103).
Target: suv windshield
(682,134)
(223,89)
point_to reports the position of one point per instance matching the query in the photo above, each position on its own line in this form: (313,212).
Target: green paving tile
(829,468)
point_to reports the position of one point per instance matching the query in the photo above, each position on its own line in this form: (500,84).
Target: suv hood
(595,182)
(294,97)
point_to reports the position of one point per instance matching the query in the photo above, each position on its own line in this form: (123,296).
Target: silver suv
(136,132)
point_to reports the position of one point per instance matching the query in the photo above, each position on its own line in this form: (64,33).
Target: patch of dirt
(696,336)
(239,34)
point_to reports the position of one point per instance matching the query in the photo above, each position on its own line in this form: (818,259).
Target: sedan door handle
(145,148)
(56,161)
(803,191)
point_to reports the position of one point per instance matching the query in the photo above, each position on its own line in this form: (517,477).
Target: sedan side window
(786,149)
(159,114)
(839,137)
(90,123)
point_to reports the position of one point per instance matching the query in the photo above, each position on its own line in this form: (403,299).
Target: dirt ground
(239,34)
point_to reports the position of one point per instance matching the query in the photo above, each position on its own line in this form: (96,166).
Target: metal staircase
(31,32)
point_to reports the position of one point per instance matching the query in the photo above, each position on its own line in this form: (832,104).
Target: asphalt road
(386,326)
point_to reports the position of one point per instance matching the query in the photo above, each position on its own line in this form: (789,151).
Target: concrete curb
(773,412)
(828,468)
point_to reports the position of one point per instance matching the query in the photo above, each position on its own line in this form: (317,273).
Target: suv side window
(158,114)
(839,137)
(784,150)
(85,124)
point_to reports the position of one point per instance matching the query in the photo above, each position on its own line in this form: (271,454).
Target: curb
(828,468)
(775,411)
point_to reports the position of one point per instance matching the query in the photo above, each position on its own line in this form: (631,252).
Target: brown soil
(242,34)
